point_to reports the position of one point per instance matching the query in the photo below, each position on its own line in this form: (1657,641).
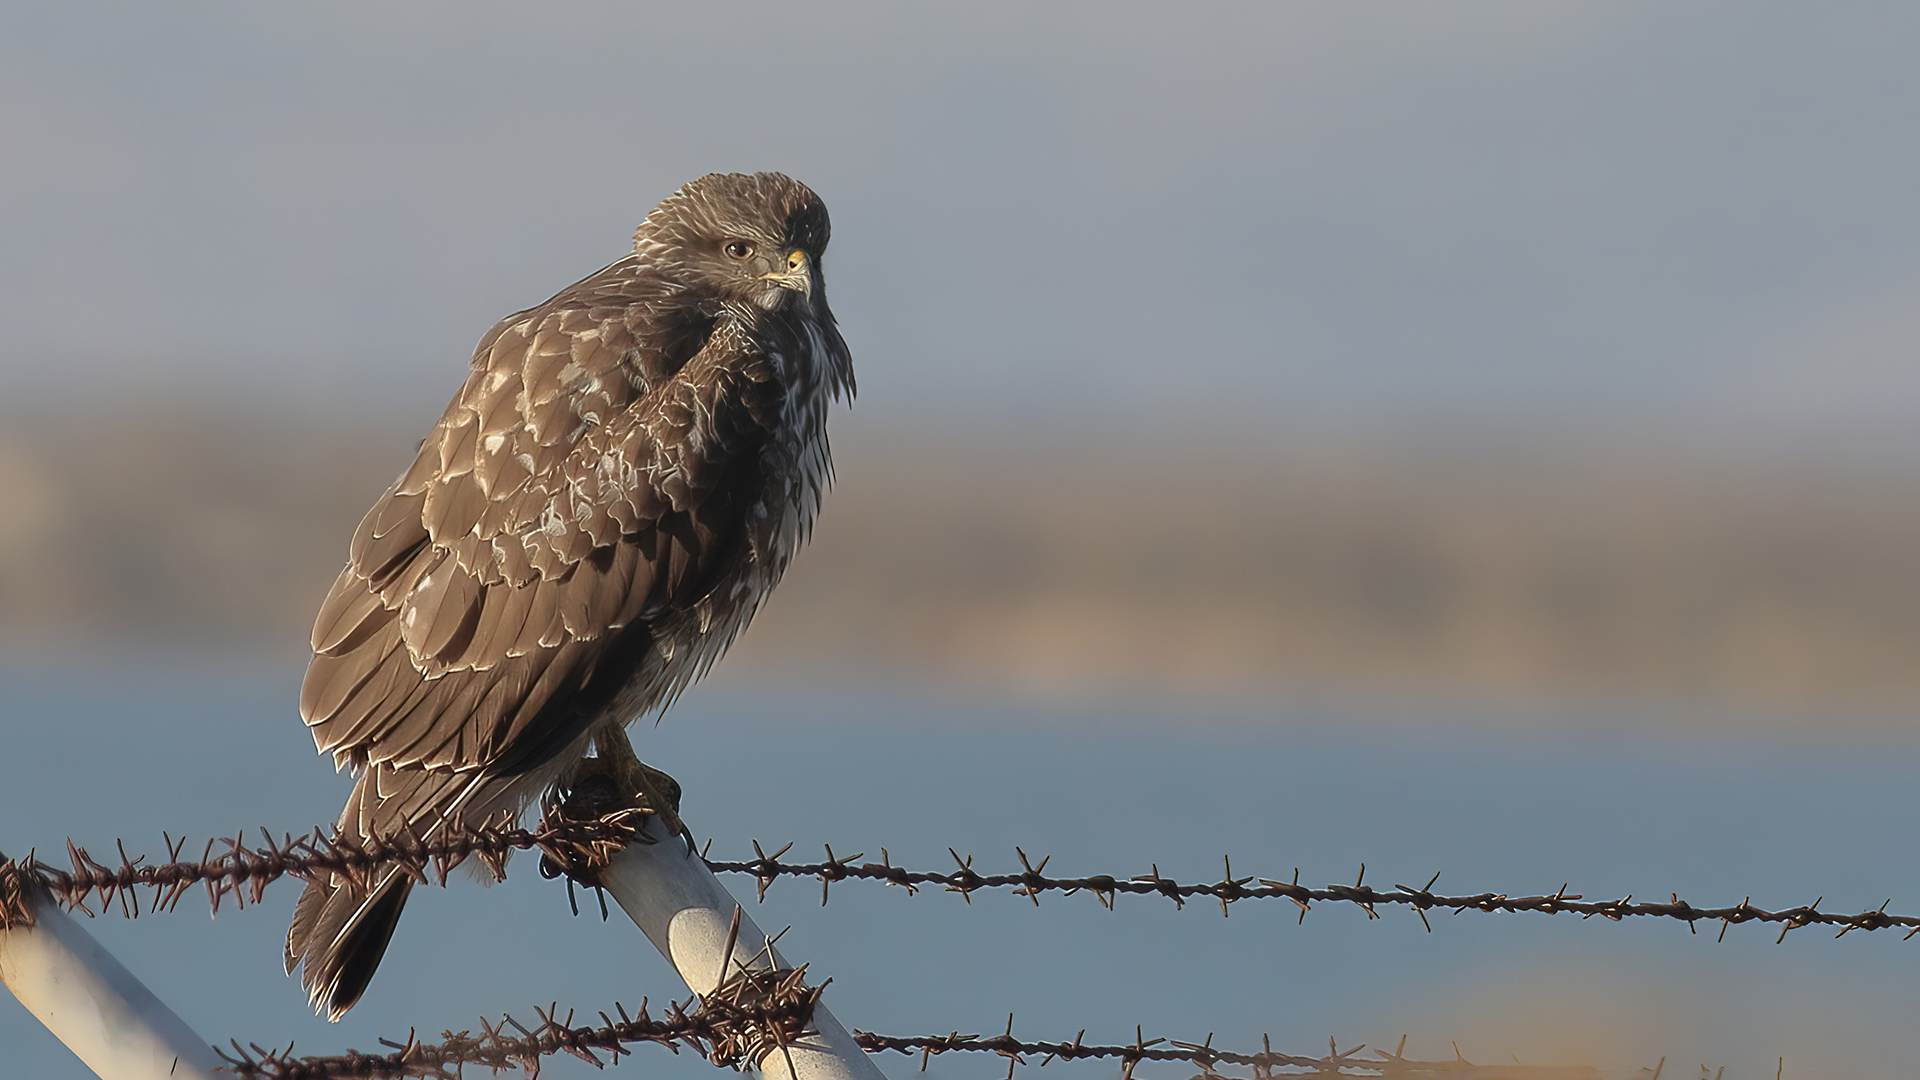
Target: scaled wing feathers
(577,486)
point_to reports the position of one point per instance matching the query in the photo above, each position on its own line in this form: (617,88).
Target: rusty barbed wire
(731,1028)
(759,1012)
(573,845)
(16,895)
(1392,1064)
(1031,882)
(233,868)
(756,1013)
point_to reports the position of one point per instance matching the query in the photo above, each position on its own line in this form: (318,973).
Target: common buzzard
(620,482)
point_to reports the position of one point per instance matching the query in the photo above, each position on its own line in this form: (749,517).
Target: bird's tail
(341,930)
(342,924)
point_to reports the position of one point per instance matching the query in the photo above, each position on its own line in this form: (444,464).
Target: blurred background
(1329,388)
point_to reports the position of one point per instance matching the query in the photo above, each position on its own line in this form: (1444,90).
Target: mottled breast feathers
(599,466)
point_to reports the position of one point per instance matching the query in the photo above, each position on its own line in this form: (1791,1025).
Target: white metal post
(684,910)
(91,1002)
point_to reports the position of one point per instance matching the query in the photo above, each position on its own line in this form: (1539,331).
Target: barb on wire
(16,894)
(575,845)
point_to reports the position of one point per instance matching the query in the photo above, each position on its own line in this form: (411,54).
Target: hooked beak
(798,275)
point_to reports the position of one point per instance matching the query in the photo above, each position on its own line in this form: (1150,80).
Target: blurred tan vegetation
(1094,569)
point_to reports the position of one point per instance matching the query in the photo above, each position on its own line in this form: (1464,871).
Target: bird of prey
(617,486)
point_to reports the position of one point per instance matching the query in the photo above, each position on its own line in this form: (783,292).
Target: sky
(1637,219)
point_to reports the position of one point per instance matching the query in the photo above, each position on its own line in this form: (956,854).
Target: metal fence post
(684,910)
(91,1002)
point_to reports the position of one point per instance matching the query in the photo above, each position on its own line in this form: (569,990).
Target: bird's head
(753,237)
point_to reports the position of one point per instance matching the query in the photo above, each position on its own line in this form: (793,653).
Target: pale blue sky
(1677,217)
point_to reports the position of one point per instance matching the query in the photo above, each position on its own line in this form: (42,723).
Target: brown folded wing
(582,484)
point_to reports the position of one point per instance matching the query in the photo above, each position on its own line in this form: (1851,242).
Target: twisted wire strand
(732,1031)
(1032,882)
(735,1025)
(1208,1058)
(756,1015)
(233,868)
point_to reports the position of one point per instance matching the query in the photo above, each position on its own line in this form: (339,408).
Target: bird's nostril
(796,260)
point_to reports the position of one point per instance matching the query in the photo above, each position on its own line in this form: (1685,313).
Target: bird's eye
(739,249)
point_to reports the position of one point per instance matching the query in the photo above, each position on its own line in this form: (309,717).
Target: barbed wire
(756,1013)
(1389,1064)
(759,1012)
(233,868)
(1031,882)
(731,1029)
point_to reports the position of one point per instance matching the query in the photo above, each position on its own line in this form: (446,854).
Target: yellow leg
(655,790)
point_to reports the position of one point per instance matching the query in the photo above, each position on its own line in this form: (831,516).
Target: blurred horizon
(1464,570)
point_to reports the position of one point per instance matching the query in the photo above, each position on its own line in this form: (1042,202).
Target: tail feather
(341,932)
(341,927)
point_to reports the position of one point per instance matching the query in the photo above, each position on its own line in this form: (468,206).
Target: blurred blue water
(204,750)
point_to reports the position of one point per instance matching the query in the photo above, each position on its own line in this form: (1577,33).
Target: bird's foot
(661,794)
(652,788)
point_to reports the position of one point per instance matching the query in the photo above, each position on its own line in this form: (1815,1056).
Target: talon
(652,788)
(669,815)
